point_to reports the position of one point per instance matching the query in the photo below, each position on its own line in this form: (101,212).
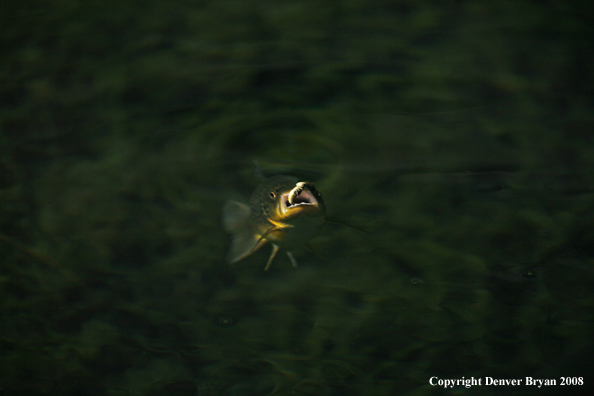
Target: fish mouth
(304,201)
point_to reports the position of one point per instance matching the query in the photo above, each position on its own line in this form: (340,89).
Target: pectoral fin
(235,216)
(243,240)
(292,258)
(274,251)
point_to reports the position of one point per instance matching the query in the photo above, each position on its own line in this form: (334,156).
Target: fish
(282,211)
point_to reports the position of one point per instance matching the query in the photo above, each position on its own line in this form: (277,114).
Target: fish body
(282,211)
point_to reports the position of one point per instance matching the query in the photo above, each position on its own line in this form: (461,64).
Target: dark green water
(459,133)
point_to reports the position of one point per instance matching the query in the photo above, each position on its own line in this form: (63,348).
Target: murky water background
(459,133)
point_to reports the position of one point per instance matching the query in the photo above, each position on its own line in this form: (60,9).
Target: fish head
(284,199)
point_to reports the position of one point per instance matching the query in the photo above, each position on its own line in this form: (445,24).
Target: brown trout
(283,211)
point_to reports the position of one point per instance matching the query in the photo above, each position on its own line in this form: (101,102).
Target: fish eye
(272,194)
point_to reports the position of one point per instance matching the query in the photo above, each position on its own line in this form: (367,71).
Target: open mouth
(304,198)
